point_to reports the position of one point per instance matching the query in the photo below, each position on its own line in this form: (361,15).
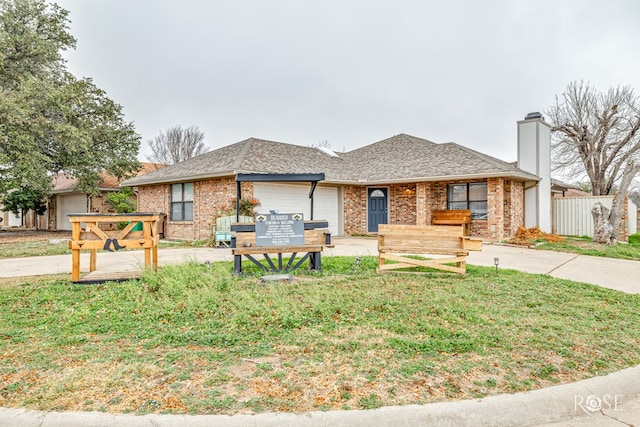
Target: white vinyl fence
(572,215)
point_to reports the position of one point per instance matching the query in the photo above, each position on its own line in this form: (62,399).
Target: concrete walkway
(612,400)
(611,273)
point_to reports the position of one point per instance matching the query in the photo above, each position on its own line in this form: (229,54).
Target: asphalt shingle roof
(65,184)
(399,158)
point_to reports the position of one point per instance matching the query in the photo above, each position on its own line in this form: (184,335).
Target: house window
(472,196)
(182,202)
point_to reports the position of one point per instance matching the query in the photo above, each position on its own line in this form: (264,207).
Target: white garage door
(295,198)
(69,203)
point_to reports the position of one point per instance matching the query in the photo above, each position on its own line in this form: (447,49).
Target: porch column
(513,207)
(495,208)
(422,208)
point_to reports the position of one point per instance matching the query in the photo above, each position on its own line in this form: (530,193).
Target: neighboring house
(399,180)
(9,219)
(562,189)
(68,199)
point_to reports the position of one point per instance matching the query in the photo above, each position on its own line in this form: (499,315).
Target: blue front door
(377,211)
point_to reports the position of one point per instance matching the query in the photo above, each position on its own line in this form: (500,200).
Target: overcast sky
(350,72)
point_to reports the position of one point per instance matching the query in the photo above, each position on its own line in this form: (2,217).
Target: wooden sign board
(280,229)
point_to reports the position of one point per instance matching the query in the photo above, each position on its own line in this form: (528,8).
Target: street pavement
(612,400)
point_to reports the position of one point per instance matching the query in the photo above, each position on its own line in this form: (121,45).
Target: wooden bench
(222,229)
(316,236)
(453,217)
(396,242)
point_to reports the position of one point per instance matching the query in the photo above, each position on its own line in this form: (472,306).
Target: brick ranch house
(399,180)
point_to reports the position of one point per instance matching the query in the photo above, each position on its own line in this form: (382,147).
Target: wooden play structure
(397,242)
(88,233)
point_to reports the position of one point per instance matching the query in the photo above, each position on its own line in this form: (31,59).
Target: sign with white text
(279,229)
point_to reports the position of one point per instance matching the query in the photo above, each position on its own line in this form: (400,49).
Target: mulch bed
(525,236)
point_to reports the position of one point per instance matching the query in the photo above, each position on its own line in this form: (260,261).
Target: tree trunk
(603,231)
(606,222)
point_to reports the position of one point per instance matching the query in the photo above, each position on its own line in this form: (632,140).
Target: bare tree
(324,143)
(597,134)
(177,144)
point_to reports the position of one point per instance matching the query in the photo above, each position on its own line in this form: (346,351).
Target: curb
(590,397)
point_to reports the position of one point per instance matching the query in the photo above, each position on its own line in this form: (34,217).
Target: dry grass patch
(189,339)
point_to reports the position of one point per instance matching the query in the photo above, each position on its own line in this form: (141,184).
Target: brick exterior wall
(623,229)
(210,196)
(413,204)
(410,203)
(495,208)
(355,210)
(422,197)
(52,214)
(100,204)
(402,204)
(513,206)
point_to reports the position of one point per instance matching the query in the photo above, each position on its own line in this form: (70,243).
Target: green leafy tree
(123,201)
(20,200)
(50,121)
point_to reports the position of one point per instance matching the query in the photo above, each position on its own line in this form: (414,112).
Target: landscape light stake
(496,260)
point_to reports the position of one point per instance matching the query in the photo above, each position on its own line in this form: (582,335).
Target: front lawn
(44,247)
(586,246)
(194,339)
